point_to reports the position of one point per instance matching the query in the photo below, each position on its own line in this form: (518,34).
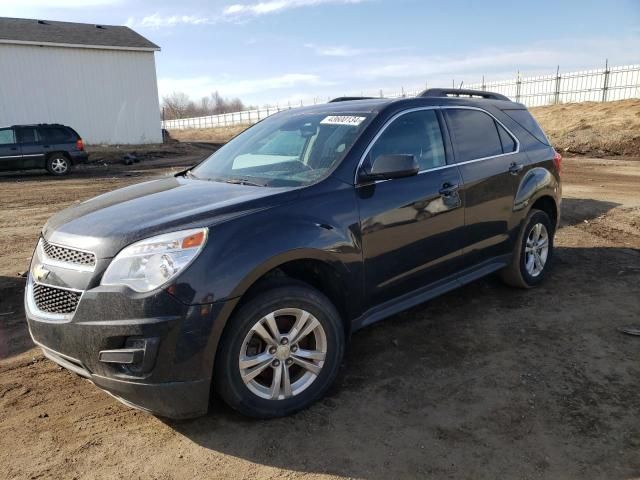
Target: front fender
(239,252)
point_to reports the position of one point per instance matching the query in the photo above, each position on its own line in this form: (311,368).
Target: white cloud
(51,4)
(538,59)
(197,87)
(273,6)
(345,51)
(159,21)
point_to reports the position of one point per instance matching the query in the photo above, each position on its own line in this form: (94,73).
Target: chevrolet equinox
(246,275)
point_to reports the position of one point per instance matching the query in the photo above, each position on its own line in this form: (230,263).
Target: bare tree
(179,105)
(176,105)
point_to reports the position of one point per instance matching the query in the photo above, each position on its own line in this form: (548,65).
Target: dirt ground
(215,135)
(484,382)
(593,128)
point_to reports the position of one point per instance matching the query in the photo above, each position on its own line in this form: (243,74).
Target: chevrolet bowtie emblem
(40,273)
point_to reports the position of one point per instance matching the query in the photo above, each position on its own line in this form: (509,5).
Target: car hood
(109,222)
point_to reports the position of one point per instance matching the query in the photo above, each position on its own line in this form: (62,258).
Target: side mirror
(386,167)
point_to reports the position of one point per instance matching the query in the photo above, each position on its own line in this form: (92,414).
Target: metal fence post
(605,85)
(518,85)
(484,86)
(556,96)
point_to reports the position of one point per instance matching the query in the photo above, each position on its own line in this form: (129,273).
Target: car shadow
(577,210)
(14,336)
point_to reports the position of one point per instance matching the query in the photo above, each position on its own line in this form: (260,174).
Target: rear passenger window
(508,143)
(6,136)
(474,134)
(27,135)
(56,135)
(416,133)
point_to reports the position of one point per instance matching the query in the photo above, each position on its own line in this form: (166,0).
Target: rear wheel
(280,353)
(534,250)
(58,164)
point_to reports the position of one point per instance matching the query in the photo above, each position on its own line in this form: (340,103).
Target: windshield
(285,150)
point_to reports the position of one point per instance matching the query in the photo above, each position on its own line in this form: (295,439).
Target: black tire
(227,378)
(517,274)
(58,164)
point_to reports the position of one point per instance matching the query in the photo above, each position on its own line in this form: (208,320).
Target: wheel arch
(547,204)
(66,155)
(313,267)
(539,188)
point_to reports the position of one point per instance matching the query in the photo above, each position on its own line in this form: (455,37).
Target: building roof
(68,34)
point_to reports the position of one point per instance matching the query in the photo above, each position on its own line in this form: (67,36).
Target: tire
(58,164)
(519,272)
(265,395)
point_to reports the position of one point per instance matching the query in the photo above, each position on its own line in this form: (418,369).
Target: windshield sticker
(343,120)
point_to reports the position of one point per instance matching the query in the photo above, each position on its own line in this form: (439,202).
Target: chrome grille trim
(81,259)
(44,306)
(56,300)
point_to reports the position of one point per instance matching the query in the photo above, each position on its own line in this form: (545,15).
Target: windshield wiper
(189,174)
(243,181)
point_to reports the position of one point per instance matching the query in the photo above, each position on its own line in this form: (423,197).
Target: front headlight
(148,264)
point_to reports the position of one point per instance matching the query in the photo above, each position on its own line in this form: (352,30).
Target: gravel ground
(484,382)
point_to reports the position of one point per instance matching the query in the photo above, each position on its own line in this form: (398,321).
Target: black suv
(246,274)
(54,147)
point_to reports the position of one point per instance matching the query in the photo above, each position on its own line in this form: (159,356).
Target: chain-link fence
(599,85)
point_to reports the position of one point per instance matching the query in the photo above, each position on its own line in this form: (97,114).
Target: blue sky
(274,51)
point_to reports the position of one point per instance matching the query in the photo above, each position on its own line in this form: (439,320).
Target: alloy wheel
(283,354)
(59,165)
(536,250)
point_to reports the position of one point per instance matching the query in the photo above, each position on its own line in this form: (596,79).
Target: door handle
(13,148)
(448,189)
(515,168)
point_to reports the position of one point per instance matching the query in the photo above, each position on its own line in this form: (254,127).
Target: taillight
(557,161)
(79,144)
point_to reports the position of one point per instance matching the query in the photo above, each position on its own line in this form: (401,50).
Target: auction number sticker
(343,120)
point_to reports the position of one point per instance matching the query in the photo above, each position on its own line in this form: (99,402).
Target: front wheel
(280,353)
(59,165)
(533,252)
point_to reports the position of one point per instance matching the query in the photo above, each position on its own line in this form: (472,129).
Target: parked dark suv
(246,274)
(54,147)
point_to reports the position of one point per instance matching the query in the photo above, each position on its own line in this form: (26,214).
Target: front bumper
(175,382)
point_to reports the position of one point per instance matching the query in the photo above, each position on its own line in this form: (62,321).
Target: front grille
(68,255)
(55,300)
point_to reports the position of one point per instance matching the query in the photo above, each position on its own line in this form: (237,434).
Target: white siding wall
(107,96)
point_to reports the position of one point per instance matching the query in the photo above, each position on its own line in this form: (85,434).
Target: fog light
(122,355)
(136,358)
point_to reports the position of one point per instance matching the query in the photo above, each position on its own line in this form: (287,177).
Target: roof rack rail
(457,92)
(347,99)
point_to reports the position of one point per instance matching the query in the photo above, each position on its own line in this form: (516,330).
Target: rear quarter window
(56,135)
(526,121)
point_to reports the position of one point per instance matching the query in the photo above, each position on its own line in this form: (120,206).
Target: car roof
(376,105)
(36,125)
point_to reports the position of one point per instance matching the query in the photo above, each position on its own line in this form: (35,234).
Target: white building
(98,79)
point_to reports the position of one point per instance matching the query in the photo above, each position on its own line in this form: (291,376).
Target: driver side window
(416,133)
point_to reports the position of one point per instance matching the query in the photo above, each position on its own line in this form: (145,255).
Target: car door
(491,166)
(10,155)
(411,226)
(32,151)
